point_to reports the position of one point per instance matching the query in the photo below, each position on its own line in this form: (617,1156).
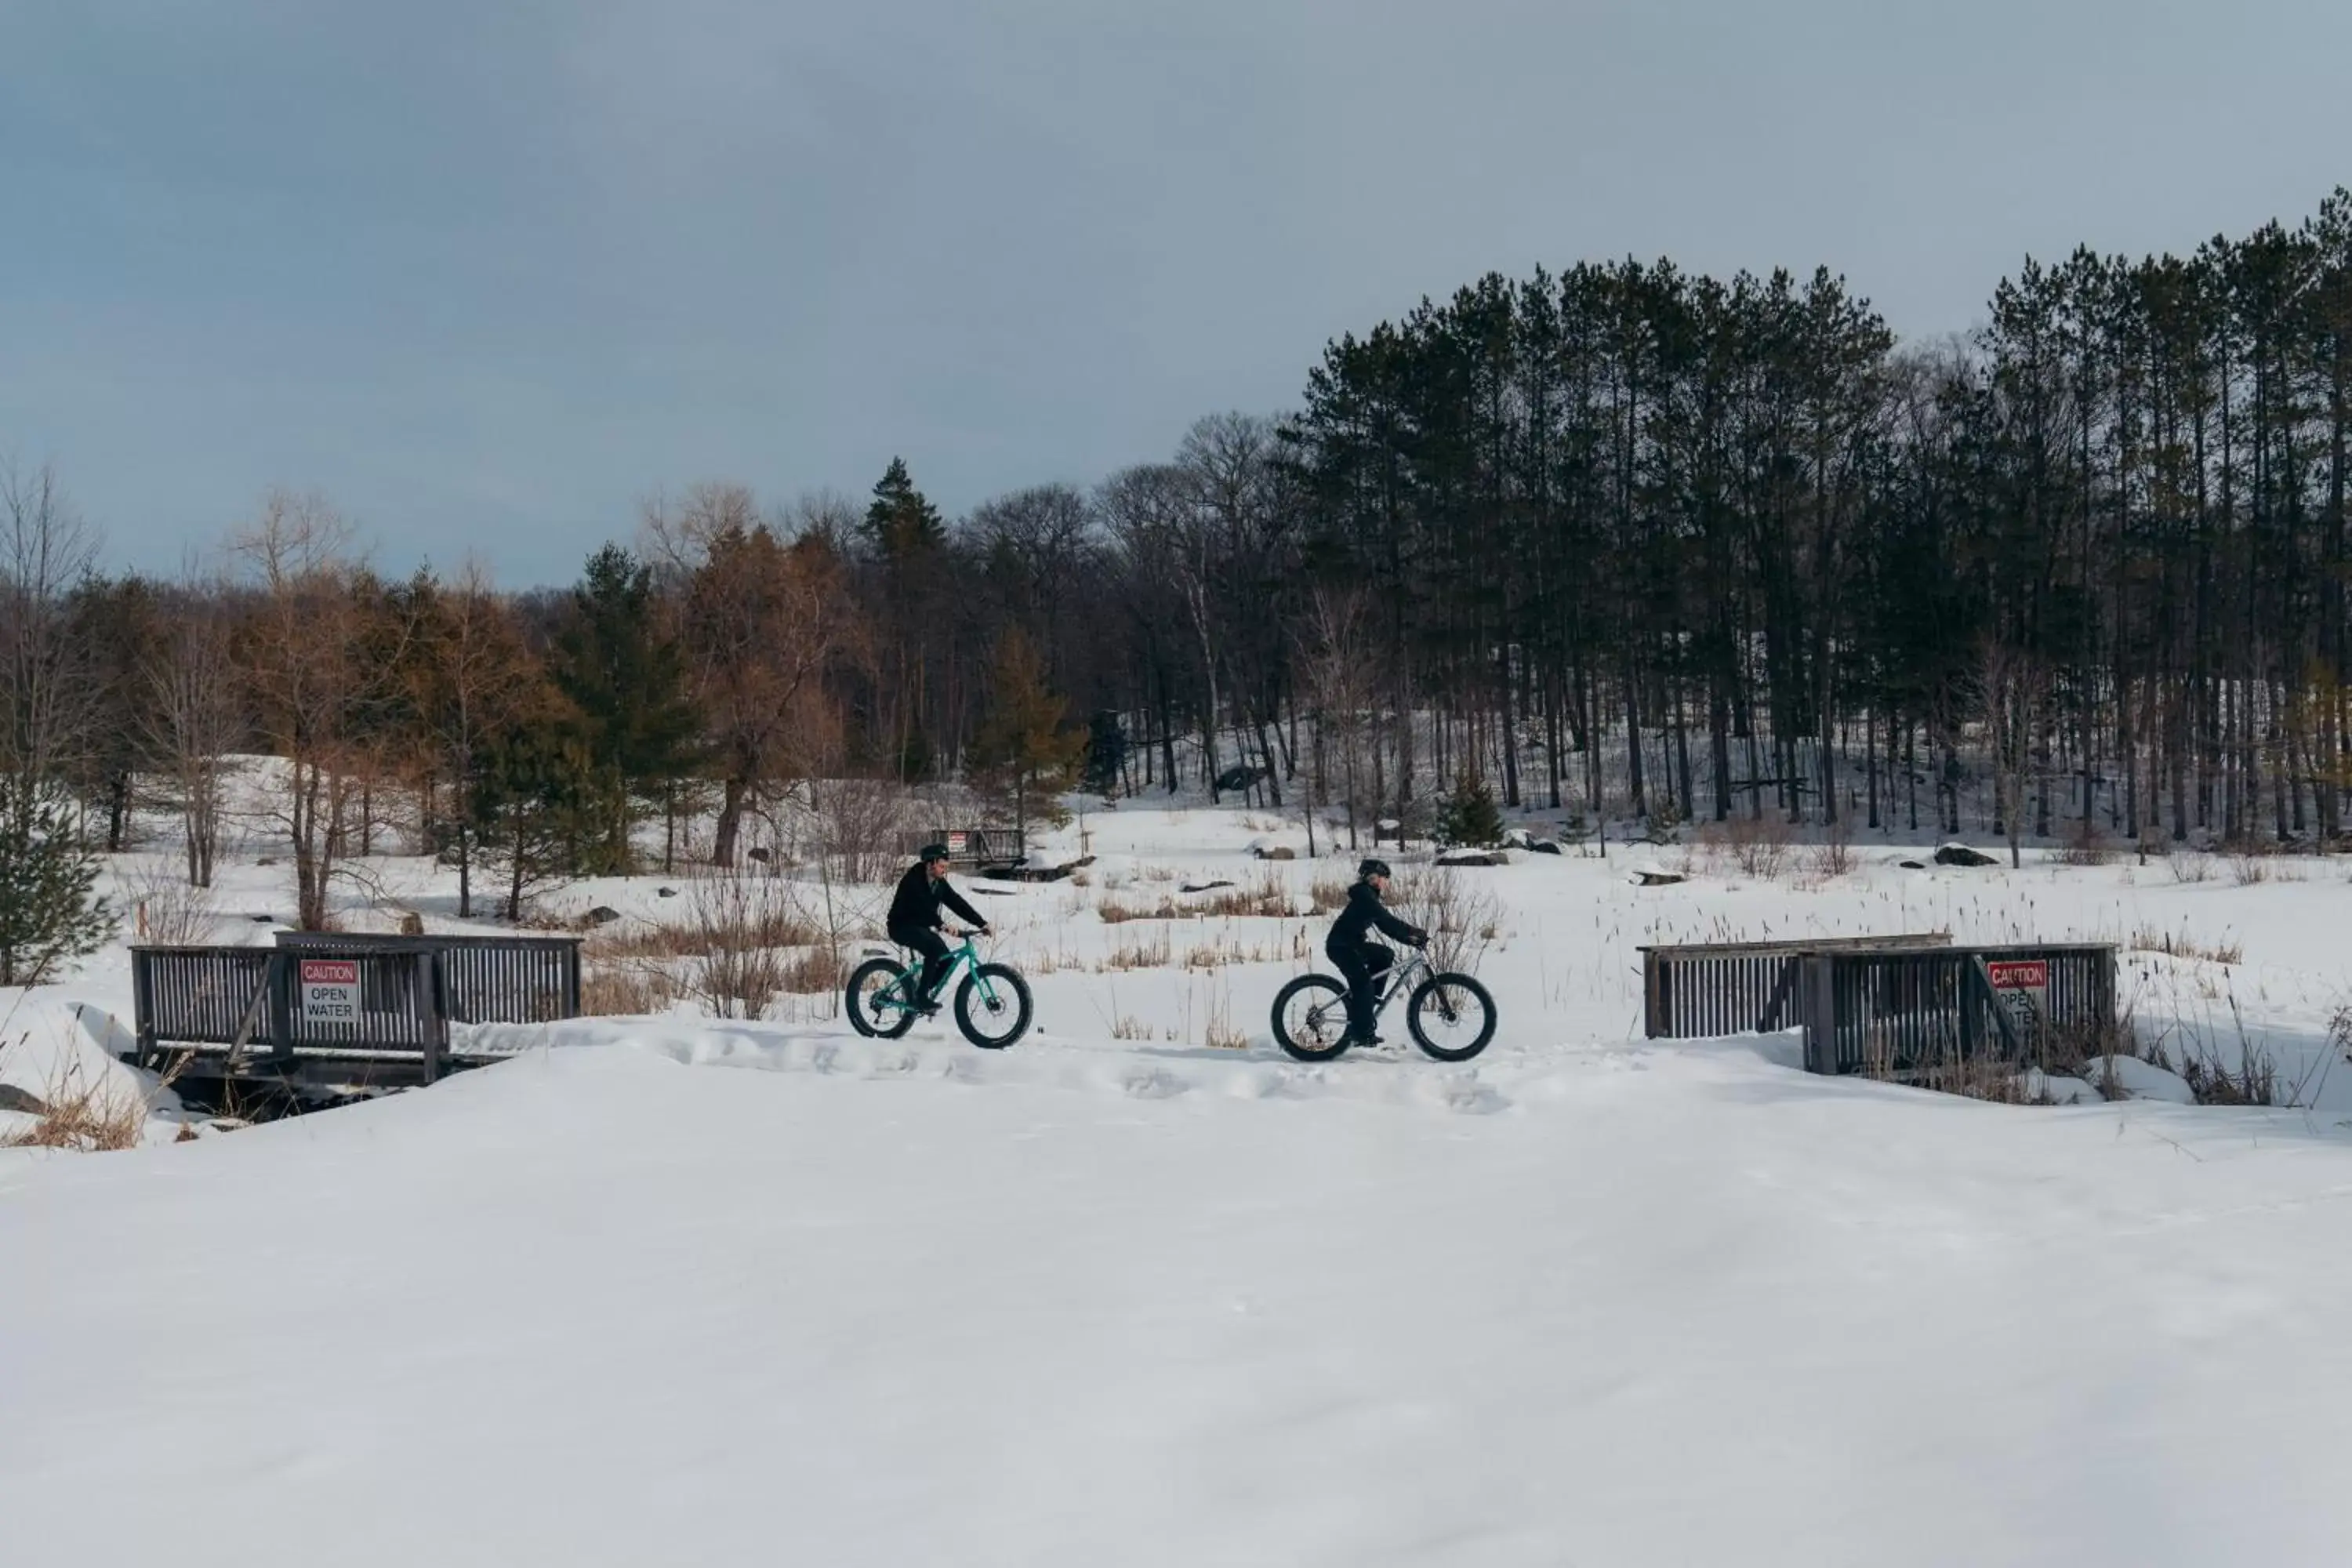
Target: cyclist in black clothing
(1363,961)
(915,921)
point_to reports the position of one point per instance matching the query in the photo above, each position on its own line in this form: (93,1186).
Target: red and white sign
(957,841)
(329,991)
(2023,986)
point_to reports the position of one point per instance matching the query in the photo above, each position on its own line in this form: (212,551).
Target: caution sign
(958,842)
(329,991)
(2023,986)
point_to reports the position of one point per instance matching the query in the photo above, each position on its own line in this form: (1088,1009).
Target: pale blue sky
(489,274)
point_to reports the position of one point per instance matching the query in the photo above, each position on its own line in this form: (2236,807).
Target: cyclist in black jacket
(915,922)
(1362,960)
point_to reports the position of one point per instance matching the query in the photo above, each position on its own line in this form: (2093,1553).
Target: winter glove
(1420,938)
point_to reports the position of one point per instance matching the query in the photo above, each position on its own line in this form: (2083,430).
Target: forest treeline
(1619,541)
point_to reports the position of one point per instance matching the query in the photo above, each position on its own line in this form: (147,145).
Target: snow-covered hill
(672,1290)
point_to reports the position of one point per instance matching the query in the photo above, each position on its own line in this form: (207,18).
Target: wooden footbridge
(333,1011)
(1892,1005)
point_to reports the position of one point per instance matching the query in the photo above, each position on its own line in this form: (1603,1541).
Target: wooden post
(1821,1015)
(280,972)
(423,965)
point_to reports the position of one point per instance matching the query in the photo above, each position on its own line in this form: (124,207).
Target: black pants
(1363,964)
(934,949)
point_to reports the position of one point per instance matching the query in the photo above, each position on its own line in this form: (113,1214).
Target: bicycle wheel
(1451,1016)
(1310,1017)
(993,1006)
(872,1001)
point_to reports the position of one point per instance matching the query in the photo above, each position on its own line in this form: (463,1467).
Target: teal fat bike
(992,1005)
(1451,1017)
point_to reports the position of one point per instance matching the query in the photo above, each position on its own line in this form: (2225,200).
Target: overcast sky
(489,274)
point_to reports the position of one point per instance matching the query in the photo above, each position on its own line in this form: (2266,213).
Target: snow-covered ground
(677,1290)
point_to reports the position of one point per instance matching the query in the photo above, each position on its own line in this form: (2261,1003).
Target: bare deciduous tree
(194,719)
(302,661)
(47,692)
(761,618)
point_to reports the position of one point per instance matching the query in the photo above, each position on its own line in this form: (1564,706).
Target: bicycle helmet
(932,852)
(1374,868)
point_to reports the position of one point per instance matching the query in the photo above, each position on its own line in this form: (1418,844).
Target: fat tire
(1306,1053)
(968,998)
(1424,992)
(870,1027)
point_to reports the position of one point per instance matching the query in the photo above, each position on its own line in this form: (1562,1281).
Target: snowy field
(672,1289)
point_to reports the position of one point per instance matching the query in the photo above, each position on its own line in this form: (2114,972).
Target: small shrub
(2085,846)
(1758,847)
(1469,819)
(815,971)
(169,913)
(2191,867)
(1462,918)
(1833,856)
(2255,1083)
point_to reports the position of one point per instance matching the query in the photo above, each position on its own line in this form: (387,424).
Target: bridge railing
(1891,1007)
(337,995)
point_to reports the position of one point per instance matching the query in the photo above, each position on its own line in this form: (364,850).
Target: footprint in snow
(1154,1083)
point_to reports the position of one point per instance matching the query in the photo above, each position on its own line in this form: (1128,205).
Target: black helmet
(1374,868)
(932,852)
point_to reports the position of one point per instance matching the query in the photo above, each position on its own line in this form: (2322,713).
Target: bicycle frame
(1394,983)
(900,992)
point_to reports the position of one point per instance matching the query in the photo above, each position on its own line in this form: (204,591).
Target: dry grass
(2189,867)
(1217,1030)
(93,1114)
(1128,1026)
(2147,939)
(742,941)
(628,990)
(1266,895)
(1148,950)
(2255,1081)
(814,972)
(764,921)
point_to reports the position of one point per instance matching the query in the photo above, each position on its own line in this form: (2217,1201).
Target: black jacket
(916,904)
(1363,912)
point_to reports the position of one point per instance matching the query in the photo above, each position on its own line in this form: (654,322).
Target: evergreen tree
(1105,754)
(628,680)
(1470,819)
(900,522)
(534,804)
(48,912)
(1021,743)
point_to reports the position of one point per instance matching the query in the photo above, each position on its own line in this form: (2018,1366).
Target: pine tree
(1105,754)
(47,911)
(629,682)
(902,522)
(534,804)
(1470,819)
(1021,743)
